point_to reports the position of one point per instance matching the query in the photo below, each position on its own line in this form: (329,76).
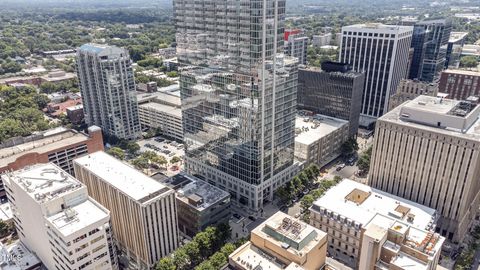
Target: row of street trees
(201,250)
(303,181)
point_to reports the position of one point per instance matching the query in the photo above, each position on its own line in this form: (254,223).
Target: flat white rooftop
(122,176)
(44,182)
(282,228)
(440,115)
(249,256)
(364,203)
(6,212)
(44,142)
(79,217)
(311,129)
(377,27)
(16,257)
(166,109)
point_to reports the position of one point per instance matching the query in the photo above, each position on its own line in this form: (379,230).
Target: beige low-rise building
(143,211)
(161,110)
(319,138)
(347,210)
(282,243)
(410,89)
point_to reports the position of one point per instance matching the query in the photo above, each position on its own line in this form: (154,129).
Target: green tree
(5,228)
(181,259)
(172,74)
(315,170)
(160,160)
(283,194)
(349,146)
(218,260)
(206,265)
(364,160)
(193,251)
(468,61)
(140,163)
(116,152)
(175,159)
(166,264)
(11,67)
(132,148)
(229,248)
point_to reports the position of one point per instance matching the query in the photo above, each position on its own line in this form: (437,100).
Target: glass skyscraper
(238,95)
(430,43)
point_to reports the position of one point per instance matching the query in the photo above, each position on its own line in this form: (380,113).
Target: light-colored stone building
(143,211)
(319,138)
(282,242)
(410,89)
(427,151)
(161,110)
(57,220)
(348,210)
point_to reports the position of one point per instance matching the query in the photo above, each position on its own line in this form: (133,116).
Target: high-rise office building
(56,219)
(410,89)
(454,49)
(335,91)
(107,84)
(430,42)
(238,94)
(381,52)
(144,212)
(459,84)
(296,45)
(427,151)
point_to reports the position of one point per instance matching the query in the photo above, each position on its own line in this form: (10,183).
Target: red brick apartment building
(59,146)
(459,84)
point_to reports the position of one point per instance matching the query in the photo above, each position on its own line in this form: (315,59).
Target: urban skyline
(240,135)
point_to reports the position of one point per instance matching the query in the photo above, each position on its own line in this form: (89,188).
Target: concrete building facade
(143,211)
(282,242)
(459,84)
(410,89)
(162,111)
(334,91)
(319,138)
(322,40)
(381,52)
(296,43)
(57,220)
(359,220)
(107,84)
(427,151)
(59,146)
(200,203)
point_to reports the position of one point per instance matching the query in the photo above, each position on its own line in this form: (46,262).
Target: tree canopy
(20,112)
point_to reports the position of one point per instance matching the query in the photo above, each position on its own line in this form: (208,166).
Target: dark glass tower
(430,43)
(238,95)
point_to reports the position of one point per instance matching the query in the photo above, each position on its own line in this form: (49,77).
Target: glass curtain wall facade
(238,95)
(430,44)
